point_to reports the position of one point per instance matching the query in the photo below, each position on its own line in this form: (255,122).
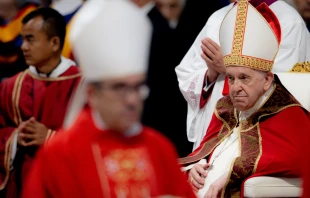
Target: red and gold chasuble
(24,96)
(87,162)
(128,171)
(269,139)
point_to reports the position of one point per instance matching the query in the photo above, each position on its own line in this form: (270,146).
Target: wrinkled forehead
(237,70)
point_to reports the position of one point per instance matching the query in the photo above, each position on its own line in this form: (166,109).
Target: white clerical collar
(173,23)
(148,7)
(63,66)
(243,115)
(134,130)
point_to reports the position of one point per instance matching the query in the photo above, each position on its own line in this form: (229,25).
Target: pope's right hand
(197,176)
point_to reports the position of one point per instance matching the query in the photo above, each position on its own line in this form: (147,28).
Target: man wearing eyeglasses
(104,150)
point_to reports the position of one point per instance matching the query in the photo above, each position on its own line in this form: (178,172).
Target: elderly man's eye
(244,79)
(230,80)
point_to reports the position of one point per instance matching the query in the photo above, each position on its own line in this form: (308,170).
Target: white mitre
(110,38)
(247,38)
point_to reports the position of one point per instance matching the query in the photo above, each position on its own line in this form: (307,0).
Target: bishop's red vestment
(88,162)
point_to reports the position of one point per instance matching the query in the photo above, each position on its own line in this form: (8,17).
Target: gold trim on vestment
(225,131)
(228,178)
(260,149)
(301,67)
(54,79)
(103,178)
(236,116)
(233,162)
(220,118)
(220,133)
(19,87)
(281,109)
(7,158)
(196,157)
(50,134)
(14,98)
(243,165)
(49,131)
(232,118)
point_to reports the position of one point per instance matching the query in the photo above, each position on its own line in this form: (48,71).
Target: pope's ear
(269,79)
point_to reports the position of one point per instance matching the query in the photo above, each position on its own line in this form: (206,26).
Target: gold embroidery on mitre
(236,57)
(240,27)
(248,61)
(301,67)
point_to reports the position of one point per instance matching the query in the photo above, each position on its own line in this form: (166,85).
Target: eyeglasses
(123,90)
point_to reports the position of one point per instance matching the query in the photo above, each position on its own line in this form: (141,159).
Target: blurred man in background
(11,14)
(171,10)
(303,7)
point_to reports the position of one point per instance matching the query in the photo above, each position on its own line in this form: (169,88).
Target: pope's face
(303,7)
(119,101)
(247,85)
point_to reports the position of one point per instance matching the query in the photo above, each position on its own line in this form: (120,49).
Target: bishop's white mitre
(110,38)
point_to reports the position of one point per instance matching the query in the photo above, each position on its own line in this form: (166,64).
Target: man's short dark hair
(54,22)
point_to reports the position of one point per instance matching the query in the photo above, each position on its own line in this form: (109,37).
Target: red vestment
(269,139)
(87,162)
(23,96)
(305,161)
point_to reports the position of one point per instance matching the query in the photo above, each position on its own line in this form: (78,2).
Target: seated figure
(258,128)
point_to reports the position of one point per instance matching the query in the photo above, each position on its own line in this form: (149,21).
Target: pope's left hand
(216,187)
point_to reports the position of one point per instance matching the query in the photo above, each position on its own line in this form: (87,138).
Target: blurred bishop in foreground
(104,151)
